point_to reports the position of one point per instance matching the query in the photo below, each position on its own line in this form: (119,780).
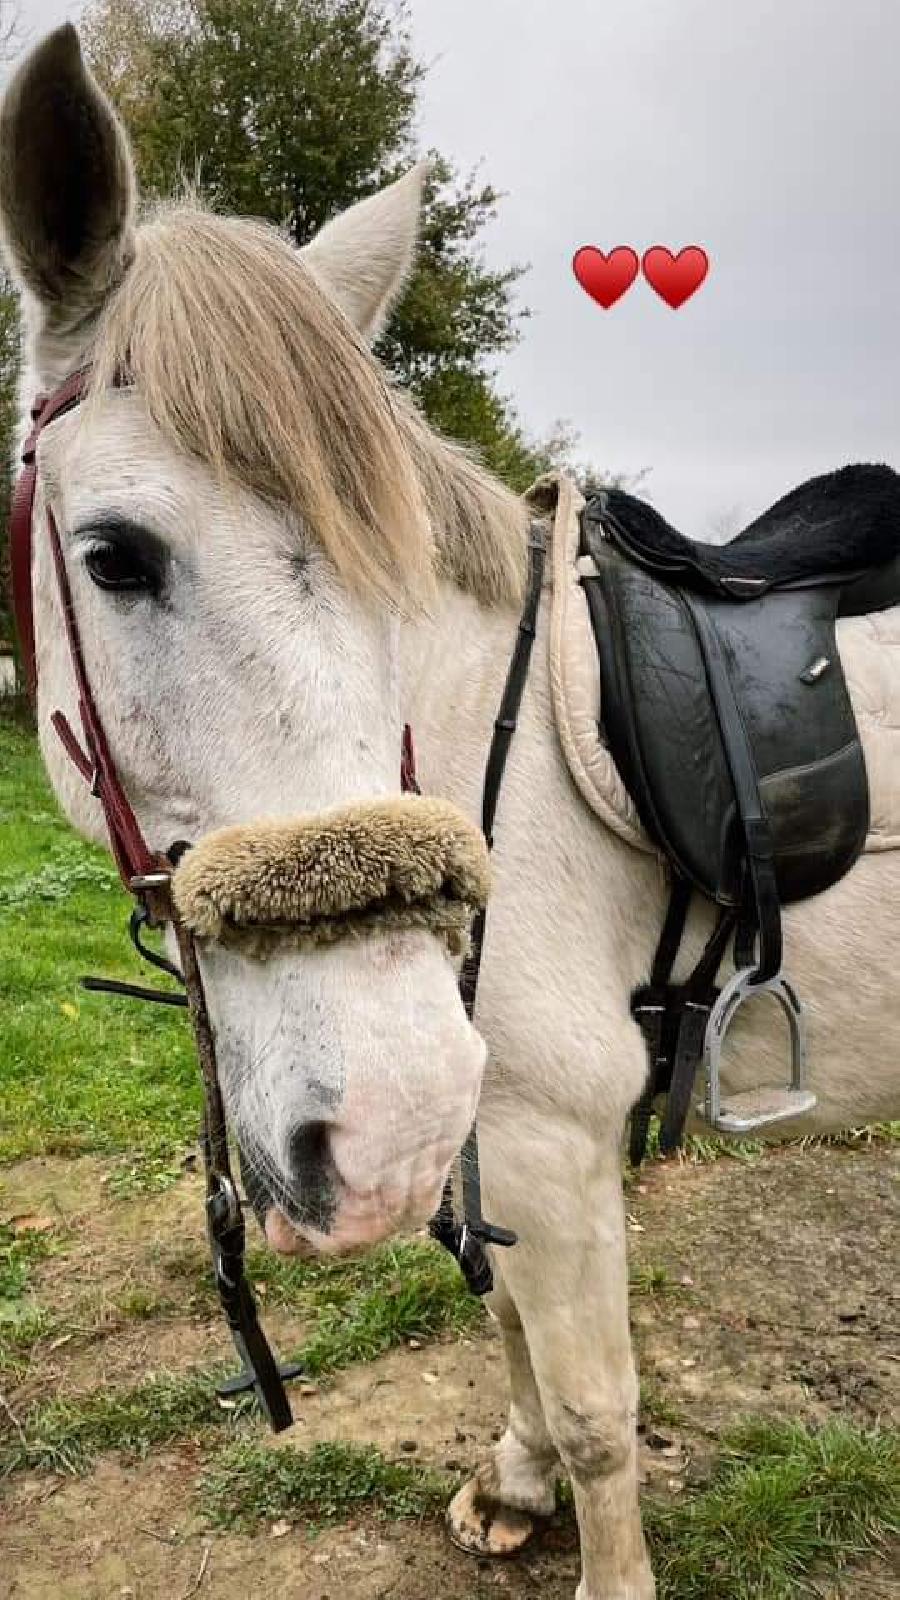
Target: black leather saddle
(727,713)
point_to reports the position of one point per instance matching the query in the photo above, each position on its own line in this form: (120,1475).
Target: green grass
(784,1505)
(408,1289)
(67,1435)
(656,1409)
(649,1278)
(78,1072)
(702,1149)
(22,1325)
(360,1309)
(360,1306)
(247,1484)
(19,1250)
(22,1321)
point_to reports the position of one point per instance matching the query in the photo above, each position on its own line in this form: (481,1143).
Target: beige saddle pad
(869,648)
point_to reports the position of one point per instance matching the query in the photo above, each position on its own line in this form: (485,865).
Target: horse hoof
(482,1528)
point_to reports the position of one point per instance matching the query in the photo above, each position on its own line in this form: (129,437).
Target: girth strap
(692,1007)
(673,1020)
(649,1007)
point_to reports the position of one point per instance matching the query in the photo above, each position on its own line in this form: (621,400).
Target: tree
(293,109)
(289,108)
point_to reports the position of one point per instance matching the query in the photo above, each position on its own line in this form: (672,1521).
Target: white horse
(274,563)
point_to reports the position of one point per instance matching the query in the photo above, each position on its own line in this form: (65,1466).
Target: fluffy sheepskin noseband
(405,862)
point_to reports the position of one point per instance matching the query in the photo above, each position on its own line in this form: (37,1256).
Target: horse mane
(245,363)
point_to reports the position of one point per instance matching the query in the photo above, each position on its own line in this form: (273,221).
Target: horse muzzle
(349,1141)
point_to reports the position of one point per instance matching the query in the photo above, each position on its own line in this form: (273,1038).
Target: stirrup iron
(752,1109)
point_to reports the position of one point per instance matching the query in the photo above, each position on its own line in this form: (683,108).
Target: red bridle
(92,756)
(45,410)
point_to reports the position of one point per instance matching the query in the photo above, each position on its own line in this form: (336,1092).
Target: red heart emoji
(675,278)
(605,278)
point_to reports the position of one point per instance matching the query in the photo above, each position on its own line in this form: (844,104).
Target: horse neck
(454,663)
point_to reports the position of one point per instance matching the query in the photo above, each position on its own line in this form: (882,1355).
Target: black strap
(225,1228)
(133,991)
(224,1216)
(225,1221)
(467,1240)
(510,703)
(671,936)
(673,1018)
(755,824)
(649,1007)
(692,1006)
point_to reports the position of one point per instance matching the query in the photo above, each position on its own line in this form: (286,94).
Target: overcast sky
(768,133)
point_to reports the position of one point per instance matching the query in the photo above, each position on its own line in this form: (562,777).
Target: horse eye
(111,565)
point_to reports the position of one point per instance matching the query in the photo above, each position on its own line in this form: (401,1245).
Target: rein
(147,875)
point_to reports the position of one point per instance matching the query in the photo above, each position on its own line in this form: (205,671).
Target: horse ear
(364,257)
(67,188)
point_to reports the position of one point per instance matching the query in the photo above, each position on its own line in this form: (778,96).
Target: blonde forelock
(245,363)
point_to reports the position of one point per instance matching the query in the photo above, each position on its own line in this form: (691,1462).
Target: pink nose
(358,1222)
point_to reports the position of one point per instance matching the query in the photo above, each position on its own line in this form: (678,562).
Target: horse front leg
(568,1280)
(493,1512)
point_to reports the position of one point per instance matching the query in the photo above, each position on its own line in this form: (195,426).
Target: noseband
(148,875)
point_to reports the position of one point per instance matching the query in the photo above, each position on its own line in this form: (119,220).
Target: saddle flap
(664,731)
(660,723)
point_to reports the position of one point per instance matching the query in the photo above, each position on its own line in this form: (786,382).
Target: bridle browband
(147,876)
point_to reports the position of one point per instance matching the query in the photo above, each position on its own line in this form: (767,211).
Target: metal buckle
(149,880)
(151,889)
(223,1205)
(754,1108)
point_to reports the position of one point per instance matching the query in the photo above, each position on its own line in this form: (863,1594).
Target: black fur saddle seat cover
(841,522)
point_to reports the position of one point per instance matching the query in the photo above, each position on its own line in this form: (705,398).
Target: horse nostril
(308,1152)
(310,1174)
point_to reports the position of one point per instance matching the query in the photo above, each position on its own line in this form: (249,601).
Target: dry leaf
(29,1222)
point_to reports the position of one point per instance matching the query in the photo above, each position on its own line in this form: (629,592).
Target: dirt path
(763,1288)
